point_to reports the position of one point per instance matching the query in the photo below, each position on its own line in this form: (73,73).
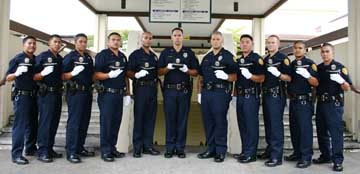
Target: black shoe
(54,154)
(338,167)
(117,154)
(20,160)
(86,153)
(238,156)
(151,151)
(321,160)
(206,155)
(249,159)
(107,157)
(45,158)
(263,156)
(168,154)
(291,157)
(137,154)
(219,158)
(181,154)
(74,158)
(30,153)
(303,164)
(273,163)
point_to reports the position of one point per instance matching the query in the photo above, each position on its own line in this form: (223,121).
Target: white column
(352,102)
(100,32)
(258,34)
(4,61)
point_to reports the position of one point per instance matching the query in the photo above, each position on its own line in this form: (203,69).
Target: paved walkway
(160,165)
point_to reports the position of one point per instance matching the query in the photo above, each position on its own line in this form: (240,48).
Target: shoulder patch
(314,67)
(286,61)
(344,71)
(261,62)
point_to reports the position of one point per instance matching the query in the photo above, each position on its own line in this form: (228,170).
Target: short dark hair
(113,34)
(27,38)
(246,36)
(299,42)
(275,36)
(54,36)
(80,35)
(177,28)
(327,44)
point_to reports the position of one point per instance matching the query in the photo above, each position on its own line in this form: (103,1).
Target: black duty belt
(114,91)
(146,82)
(25,92)
(331,98)
(54,89)
(211,86)
(246,91)
(178,87)
(300,97)
(275,91)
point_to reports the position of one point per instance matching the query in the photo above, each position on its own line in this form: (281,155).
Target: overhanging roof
(198,33)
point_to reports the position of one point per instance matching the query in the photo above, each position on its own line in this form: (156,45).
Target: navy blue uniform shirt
(73,59)
(299,85)
(224,60)
(47,58)
(105,61)
(326,85)
(24,81)
(140,60)
(282,63)
(255,64)
(184,56)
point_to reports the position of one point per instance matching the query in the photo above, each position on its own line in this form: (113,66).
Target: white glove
(170,66)
(77,70)
(246,73)
(233,101)
(274,71)
(141,73)
(337,78)
(114,73)
(220,74)
(20,70)
(47,70)
(184,69)
(303,72)
(127,100)
(199,98)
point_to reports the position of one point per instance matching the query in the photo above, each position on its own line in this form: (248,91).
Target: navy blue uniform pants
(79,108)
(247,109)
(301,128)
(273,109)
(111,108)
(329,124)
(145,107)
(214,108)
(50,111)
(176,108)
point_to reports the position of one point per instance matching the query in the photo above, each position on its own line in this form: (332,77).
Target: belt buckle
(303,102)
(208,86)
(178,87)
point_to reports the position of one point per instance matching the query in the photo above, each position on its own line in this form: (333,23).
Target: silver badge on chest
(117,63)
(217,63)
(177,60)
(27,60)
(185,55)
(333,67)
(220,58)
(242,61)
(299,62)
(146,65)
(81,59)
(49,60)
(270,61)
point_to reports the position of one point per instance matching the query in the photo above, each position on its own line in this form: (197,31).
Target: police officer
(177,64)
(218,71)
(250,74)
(274,98)
(21,70)
(78,70)
(48,70)
(143,71)
(303,79)
(110,68)
(334,80)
